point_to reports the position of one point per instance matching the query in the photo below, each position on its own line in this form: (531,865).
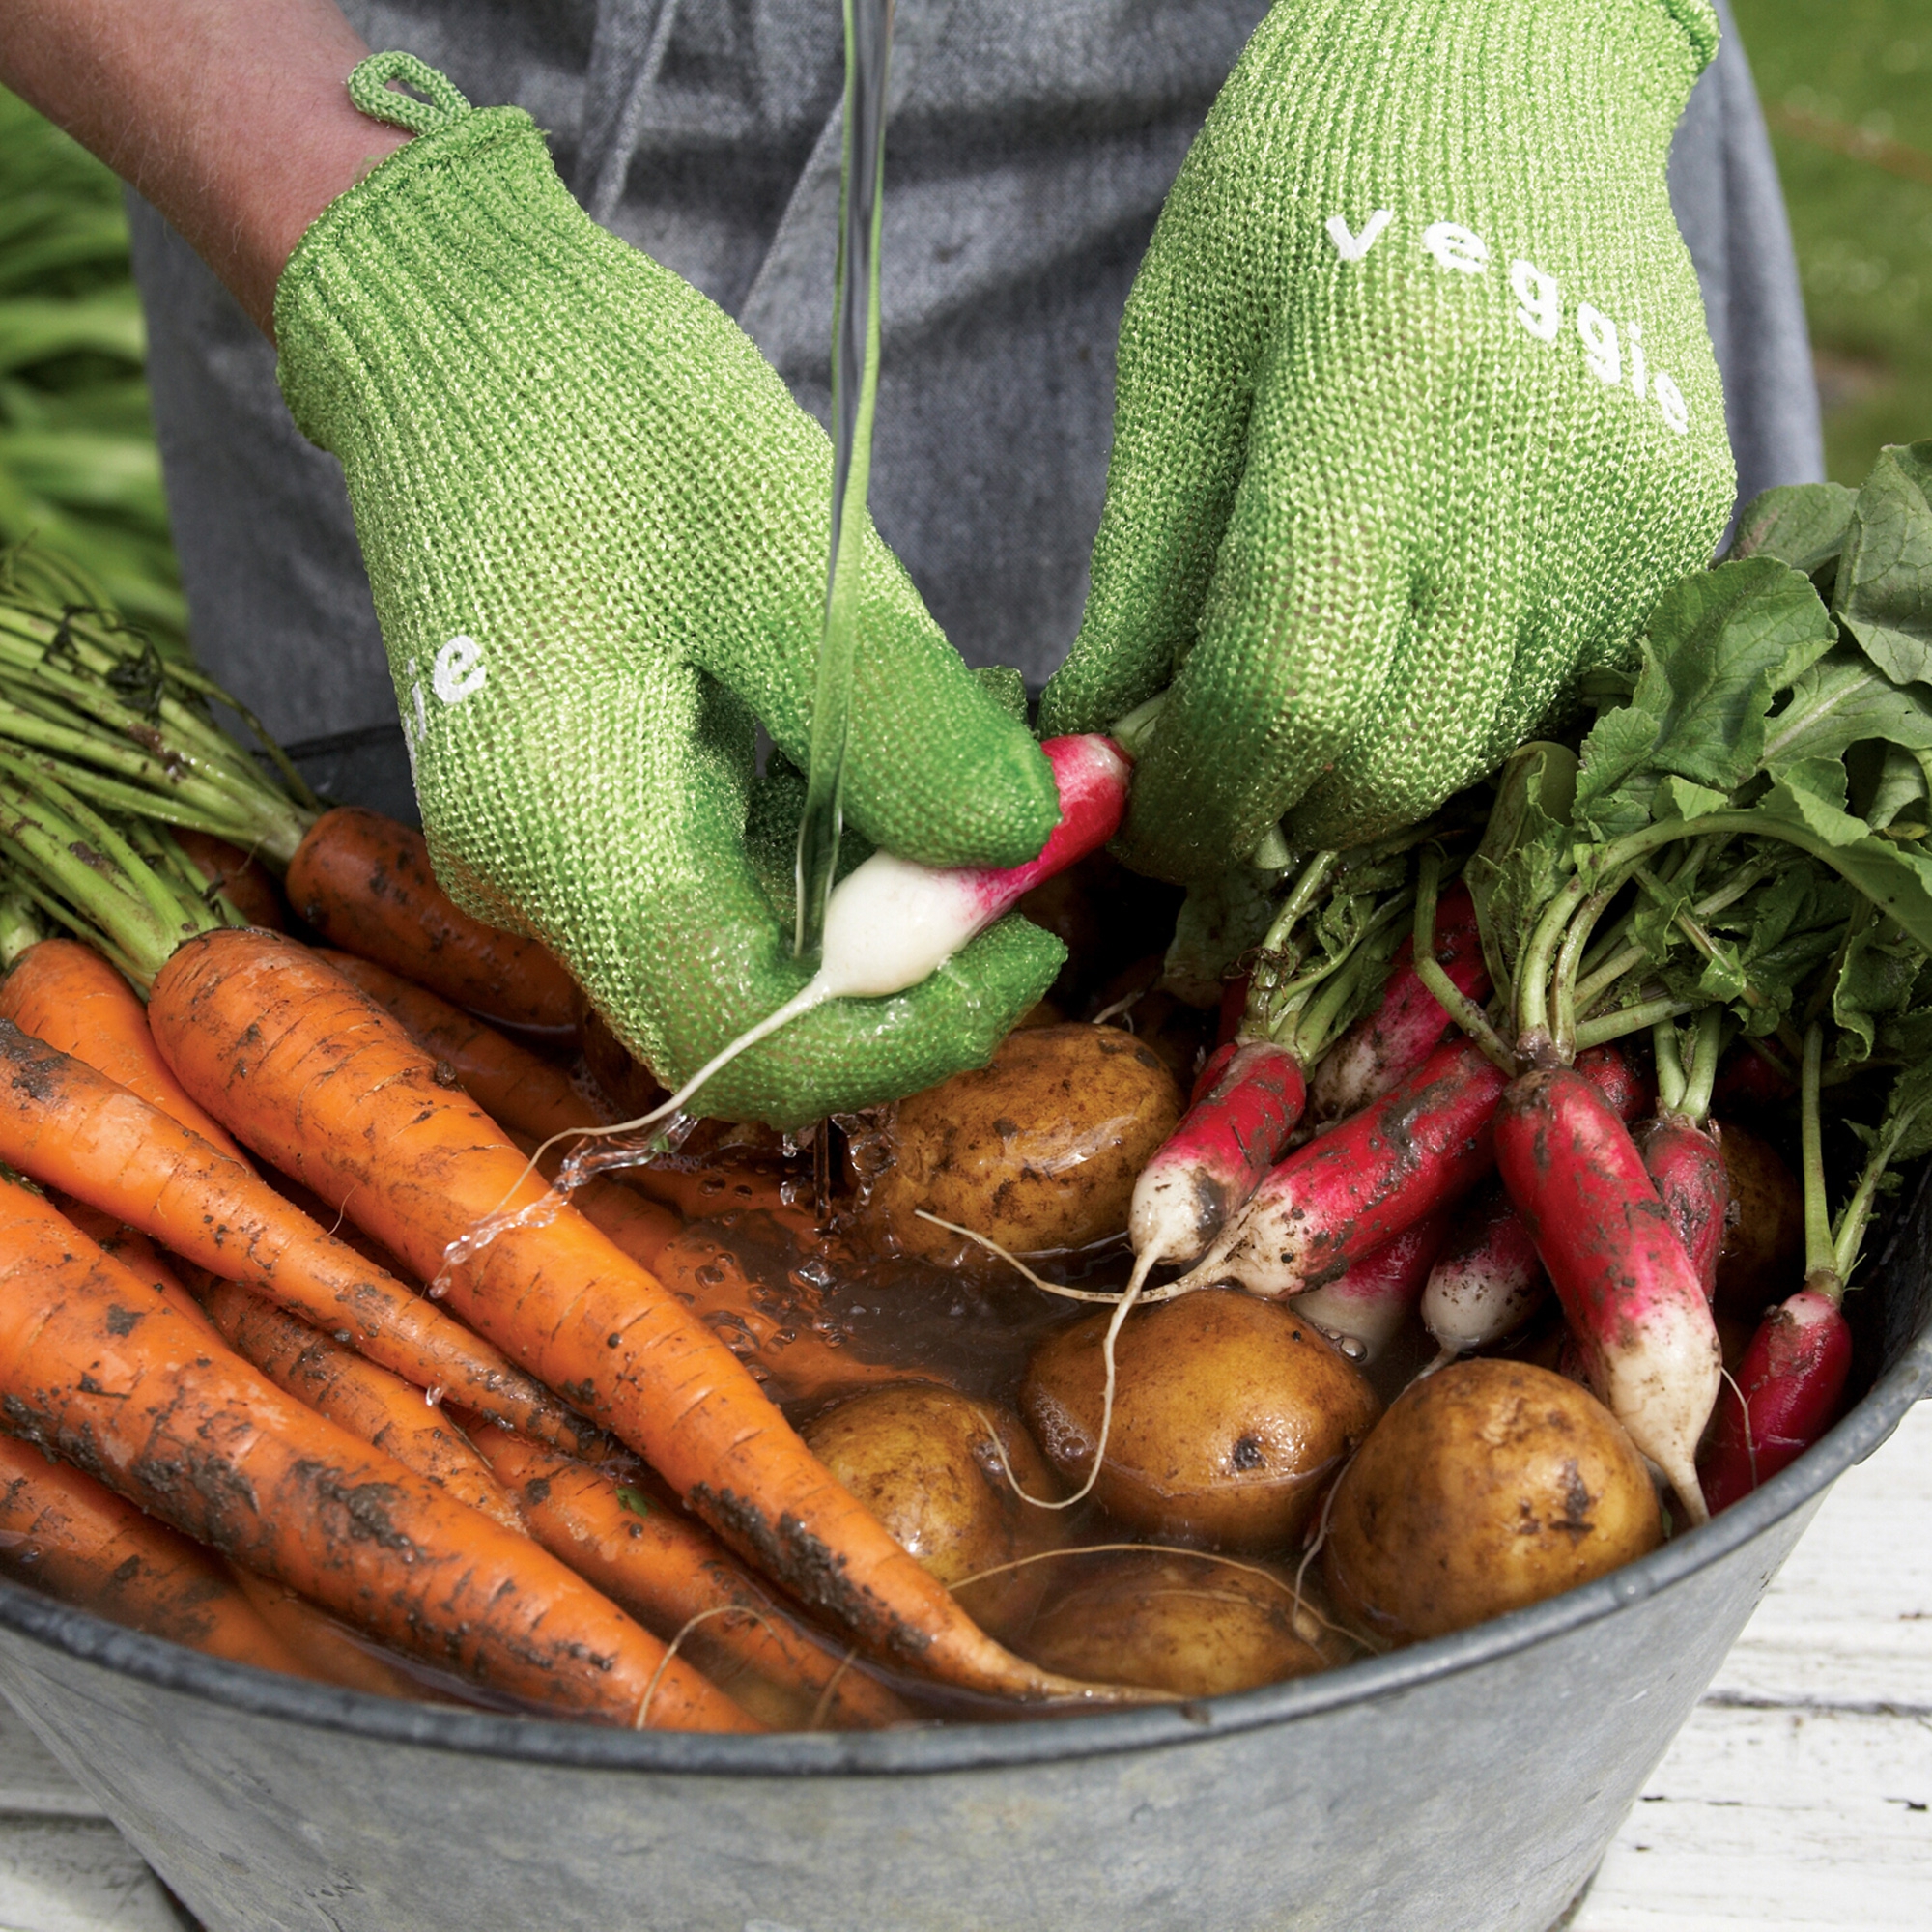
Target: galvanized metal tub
(1472,1782)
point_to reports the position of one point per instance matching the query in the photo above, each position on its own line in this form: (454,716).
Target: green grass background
(1863,232)
(78,469)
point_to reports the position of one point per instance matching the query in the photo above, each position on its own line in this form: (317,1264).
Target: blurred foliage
(78,469)
(1847,89)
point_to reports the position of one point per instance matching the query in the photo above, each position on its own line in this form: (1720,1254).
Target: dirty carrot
(248,884)
(364,883)
(665,1570)
(66,994)
(373,1404)
(73,1538)
(126,1389)
(306,1070)
(519,1091)
(643,1228)
(71,1128)
(138,1255)
(324,1647)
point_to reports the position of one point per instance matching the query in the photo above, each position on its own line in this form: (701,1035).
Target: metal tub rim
(969,1745)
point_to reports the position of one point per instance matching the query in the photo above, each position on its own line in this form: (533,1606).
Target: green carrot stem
(1820,1256)
(1449,995)
(106,838)
(104,908)
(83,929)
(1706,1050)
(1670,1079)
(19,927)
(1626,1020)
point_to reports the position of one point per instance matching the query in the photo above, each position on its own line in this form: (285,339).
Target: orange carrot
(665,1570)
(699,1191)
(63,1533)
(248,884)
(324,1647)
(518,1089)
(66,994)
(374,1406)
(305,1071)
(138,1255)
(127,1390)
(641,1226)
(70,1129)
(364,883)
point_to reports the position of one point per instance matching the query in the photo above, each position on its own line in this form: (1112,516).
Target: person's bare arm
(230,116)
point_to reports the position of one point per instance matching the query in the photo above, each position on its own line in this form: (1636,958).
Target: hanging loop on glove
(371,92)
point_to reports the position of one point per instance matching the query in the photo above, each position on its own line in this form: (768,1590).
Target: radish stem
(1670,1080)
(1819,1256)
(1450,997)
(1705,1053)
(1628,1020)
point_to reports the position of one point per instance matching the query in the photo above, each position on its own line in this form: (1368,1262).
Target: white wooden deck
(1797,1799)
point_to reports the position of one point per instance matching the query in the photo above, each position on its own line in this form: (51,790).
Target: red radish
(1212,1162)
(1794,1372)
(1749,1078)
(1489,1280)
(1362,1311)
(1629,1289)
(1680,1146)
(1694,1185)
(1362,1183)
(1384,1046)
(1212,1070)
(1791,1379)
(1233,1009)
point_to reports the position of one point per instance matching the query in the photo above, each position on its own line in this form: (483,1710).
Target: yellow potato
(923,1459)
(1228,1415)
(1038,1152)
(1490,1485)
(1191,1625)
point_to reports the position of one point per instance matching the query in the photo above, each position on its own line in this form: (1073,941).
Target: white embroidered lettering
(1634,337)
(1601,355)
(1542,310)
(1670,404)
(460,670)
(1356,247)
(1456,247)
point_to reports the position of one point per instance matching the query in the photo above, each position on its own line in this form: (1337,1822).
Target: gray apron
(1032,144)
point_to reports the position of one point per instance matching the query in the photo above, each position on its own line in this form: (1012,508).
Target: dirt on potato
(1230,1415)
(1038,1152)
(1487,1486)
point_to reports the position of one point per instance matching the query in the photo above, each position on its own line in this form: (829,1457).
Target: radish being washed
(890,923)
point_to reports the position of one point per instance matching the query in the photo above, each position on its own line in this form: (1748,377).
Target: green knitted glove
(596,525)
(1416,415)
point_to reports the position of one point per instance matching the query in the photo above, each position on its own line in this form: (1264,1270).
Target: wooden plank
(78,1875)
(1804,1821)
(1798,1796)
